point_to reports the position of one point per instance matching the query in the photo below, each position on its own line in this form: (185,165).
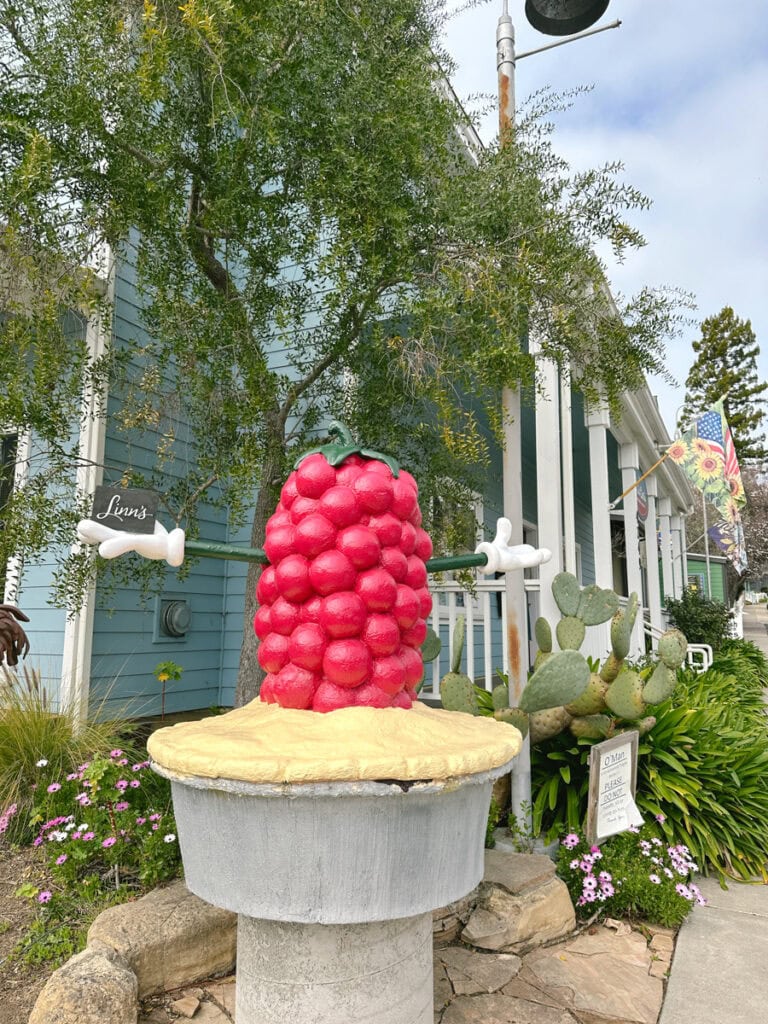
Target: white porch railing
(485,644)
(699,656)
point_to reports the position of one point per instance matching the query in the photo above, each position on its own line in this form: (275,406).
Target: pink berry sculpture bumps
(343,604)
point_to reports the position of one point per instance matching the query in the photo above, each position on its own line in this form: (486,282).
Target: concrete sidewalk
(720,967)
(719,972)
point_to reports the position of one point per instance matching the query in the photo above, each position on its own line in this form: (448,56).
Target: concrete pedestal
(334,885)
(332,853)
(378,973)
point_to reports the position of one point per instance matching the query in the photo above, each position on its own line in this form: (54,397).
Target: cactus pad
(661,684)
(457,693)
(431,646)
(548,723)
(592,701)
(621,627)
(672,648)
(560,680)
(543,633)
(500,697)
(570,633)
(625,695)
(513,716)
(459,631)
(597,605)
(567,592)
(591,727)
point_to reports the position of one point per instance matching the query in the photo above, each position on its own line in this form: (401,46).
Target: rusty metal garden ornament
(13,640)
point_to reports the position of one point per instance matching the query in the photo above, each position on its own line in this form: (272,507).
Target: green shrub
(31,731)
(703,767)
(702,620)
(635,873)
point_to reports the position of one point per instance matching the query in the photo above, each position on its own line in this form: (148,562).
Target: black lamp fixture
(564,17)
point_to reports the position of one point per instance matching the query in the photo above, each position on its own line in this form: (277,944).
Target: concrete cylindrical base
(378,973)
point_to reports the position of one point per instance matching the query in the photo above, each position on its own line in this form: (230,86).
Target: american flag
(709,427)
(713,428)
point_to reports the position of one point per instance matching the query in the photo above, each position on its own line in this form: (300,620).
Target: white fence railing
(485,645)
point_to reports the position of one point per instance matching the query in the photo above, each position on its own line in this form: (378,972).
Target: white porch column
(549,498)
(652,556)
(684,549)
(78,632)
(629,462)
(667,573)
(678,565)
(569,506)
(597,421)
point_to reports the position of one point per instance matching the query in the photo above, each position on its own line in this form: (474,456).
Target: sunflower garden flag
(705,452)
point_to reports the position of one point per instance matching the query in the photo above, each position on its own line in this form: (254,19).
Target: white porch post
(684,549)
(597,421)
(78,631)
(629,462)
(548,484)
(667,574)
(678,569)
(566,461)
(652,556)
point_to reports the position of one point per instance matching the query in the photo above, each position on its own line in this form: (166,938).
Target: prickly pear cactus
(567,593)
(513,716)
(597,605)
(672,648)
(457,691)
(592,701)
(613,698)
(624,696)
(560,680)
(548,723)
(591,727)
(543,633)
(570,633)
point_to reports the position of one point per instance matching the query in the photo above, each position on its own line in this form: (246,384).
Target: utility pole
(512,484)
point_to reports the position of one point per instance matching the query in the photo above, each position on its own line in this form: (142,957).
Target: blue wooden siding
(127,646)
(46,626)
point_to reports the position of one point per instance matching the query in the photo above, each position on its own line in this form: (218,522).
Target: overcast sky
(680,96)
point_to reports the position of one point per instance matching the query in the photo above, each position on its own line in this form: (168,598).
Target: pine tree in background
(726,366)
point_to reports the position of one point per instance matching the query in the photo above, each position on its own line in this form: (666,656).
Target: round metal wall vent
(175,618)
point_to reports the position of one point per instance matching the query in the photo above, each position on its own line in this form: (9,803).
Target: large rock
(169,938)
(514,924)
(94,987)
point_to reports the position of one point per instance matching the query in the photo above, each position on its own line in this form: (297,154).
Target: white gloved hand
(158,545)
(503,558)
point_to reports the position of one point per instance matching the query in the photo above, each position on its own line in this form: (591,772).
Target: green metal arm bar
(207,549)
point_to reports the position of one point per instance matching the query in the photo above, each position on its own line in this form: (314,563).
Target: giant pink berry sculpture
(344,602)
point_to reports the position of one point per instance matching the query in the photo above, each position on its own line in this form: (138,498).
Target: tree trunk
(250,674)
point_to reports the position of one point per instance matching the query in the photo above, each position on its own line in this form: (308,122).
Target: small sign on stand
(129,510)
(612,782)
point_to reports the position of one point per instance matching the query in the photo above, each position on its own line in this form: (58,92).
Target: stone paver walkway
(607,975)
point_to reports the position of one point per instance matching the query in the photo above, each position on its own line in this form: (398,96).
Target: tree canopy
(312,227)
(726,367)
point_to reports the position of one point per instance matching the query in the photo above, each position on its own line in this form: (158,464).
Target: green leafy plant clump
(635,873)
(31,729)
(702,766)
(87,801)
(702,620)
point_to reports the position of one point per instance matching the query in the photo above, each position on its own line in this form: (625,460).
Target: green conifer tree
(726,367)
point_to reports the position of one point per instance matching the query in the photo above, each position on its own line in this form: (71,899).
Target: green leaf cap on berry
(336,452)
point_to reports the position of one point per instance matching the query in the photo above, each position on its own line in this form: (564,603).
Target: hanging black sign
(129,510)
